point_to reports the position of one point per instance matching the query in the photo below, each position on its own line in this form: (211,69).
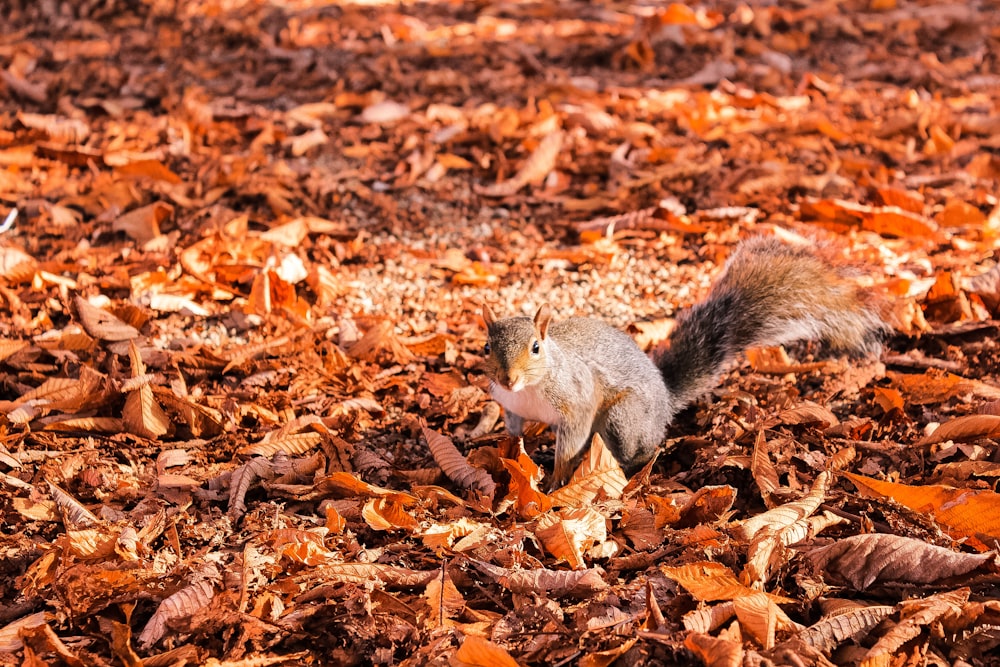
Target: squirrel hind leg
(633,429)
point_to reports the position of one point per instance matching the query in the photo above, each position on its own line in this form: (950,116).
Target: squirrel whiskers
(583,376)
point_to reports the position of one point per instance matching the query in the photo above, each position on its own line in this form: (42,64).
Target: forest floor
(243,415)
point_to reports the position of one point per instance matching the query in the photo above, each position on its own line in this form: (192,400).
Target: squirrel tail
(770,293)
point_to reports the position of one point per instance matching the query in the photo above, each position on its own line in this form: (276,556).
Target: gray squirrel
(583,376)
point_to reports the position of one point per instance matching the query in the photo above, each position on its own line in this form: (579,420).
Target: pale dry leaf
(182,604)
(301,144)
(863,560)
(88,424)
(707,619)
(53,389)
(75,515)
(786,515)
(294,444)
(455,466)
(758,617)
(809,413)
(143,416)
(915,615)
(964,428)
(809,527)
(90,543)
(29,509)
(10,634)
(831,631)
(384,112)
(443,535)
(170,458)
(56,128)
(16,266)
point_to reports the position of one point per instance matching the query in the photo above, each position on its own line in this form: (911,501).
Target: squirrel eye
(486,348)
(534,347)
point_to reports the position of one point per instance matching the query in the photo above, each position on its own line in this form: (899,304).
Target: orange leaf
(478,652)
(961,512)
(707,581)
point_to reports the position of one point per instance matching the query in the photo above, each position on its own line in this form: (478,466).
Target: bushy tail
(769,294)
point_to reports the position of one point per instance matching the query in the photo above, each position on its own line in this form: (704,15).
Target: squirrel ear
(488,315)
(542,319)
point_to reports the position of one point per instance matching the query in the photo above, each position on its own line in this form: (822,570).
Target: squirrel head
(516,348)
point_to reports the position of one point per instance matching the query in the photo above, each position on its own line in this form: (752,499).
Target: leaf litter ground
(243,416)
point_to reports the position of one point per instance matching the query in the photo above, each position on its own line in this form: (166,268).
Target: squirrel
(582,376)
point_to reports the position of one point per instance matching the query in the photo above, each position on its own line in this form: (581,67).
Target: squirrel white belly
(583,376)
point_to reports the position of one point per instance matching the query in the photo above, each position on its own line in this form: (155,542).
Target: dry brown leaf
(88,424)
(362,573)
(534,170)
(831,631)
(97,542)
(445,600)
(10,347)
(142,414)
(570,532)
(809,413)
(182,604)
(455,466)
(101,324)
(57,128)
(525,475)
(764,472)
(387,514)
(863,560)
(967,427)
(241,480)
(775,361)
(716,652)
(143,224)
(443,535)
(555,583)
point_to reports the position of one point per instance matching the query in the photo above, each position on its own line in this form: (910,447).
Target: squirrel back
(583,376)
